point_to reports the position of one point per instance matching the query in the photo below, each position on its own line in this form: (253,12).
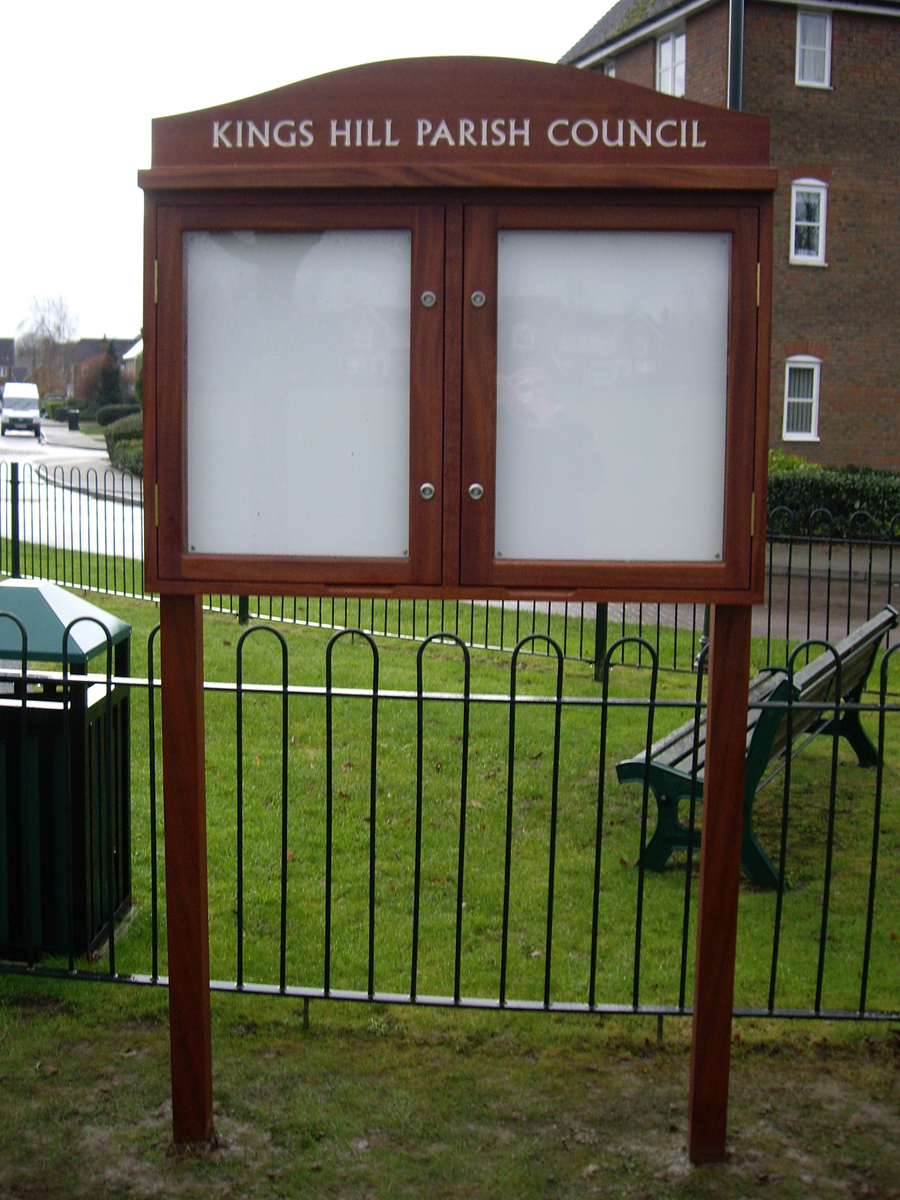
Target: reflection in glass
(611,389)
(298,349)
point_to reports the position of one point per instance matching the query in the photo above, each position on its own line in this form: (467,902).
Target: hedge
(812,493)
(124,443)
(126,429)
(128,456)
(115,412)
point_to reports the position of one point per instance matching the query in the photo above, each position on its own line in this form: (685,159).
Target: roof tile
(625,15)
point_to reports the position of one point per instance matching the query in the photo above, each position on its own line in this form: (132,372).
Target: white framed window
(609,68)
(813,68)
(809,209)
(670,64)
(801,398)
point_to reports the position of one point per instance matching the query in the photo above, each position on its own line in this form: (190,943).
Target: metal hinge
(757,285)
(156,282)
(752,513)
(156,503)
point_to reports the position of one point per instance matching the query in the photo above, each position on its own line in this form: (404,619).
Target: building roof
(631,15)
(85,348)
(622,17)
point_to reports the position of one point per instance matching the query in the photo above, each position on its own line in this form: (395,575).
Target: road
(60,447)
(70,496)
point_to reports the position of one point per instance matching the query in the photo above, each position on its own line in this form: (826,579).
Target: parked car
(20,408)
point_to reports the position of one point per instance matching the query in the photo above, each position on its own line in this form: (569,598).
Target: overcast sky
(81,82)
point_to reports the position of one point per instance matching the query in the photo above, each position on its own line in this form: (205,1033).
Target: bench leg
(659,848)
(756,862)
(669,834)
(850,727)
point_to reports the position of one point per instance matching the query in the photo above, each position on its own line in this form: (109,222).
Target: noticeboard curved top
(458,327)
(436,120)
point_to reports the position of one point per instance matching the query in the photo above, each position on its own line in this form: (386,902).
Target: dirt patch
(492,1106)
(30,1003)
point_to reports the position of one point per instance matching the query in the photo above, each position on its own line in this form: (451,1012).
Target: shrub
(114,412)
(124,443)
(128,456)
(812,493)
(781,460)
(53,409)
(126,429)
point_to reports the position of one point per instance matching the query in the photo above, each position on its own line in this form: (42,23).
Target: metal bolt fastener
(429,299)
(479,299)
(426,491)
(476,491)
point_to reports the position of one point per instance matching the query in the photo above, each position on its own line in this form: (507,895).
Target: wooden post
(720,873)
(184,783)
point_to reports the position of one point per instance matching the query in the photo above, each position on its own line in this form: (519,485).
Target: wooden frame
(453,383)
(174,564)
(480,567)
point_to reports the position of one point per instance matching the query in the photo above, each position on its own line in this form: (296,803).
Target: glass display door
(598,404)
(312,391)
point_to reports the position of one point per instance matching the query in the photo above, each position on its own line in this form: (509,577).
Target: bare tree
(43,336)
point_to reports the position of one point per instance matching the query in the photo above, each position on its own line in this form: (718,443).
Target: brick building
(826,75)
(7,359)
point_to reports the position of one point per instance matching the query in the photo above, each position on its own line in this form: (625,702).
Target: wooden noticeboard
(457,328)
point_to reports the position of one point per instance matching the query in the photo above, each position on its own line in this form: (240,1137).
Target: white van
(21,408)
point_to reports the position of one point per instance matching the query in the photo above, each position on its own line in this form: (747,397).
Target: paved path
(73,451)
(828,593)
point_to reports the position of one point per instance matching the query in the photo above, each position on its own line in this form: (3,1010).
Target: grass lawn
(663,957)
(485,816)
(377,1102)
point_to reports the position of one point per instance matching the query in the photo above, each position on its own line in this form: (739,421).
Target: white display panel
(611,395)
(298,361)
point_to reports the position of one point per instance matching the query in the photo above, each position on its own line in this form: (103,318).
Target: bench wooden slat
(679,744)
(669,772)
(813,685)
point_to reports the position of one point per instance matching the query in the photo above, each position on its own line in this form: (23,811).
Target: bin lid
(46,609)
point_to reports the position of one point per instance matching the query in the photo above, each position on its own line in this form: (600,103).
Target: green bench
(669,773)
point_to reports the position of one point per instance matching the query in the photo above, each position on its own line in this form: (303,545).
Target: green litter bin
(65,798)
